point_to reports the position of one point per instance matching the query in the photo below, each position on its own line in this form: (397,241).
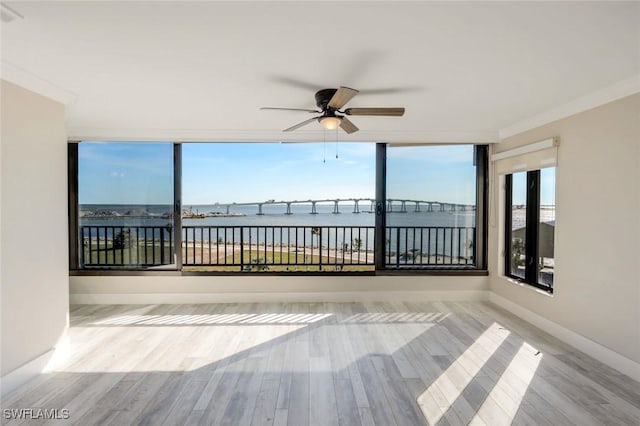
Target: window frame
(532,224)
(75,246)
(481,162)
(480,246)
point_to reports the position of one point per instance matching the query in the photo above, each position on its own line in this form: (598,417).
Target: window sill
(386,272)
(545,291)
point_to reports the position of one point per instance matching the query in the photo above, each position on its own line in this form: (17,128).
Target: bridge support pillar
(441,207)
(288,209)
(336,210)
(259,210)
(417,210)
(313,208)
(430,208)
(403,207)
(389,206)
(356,207)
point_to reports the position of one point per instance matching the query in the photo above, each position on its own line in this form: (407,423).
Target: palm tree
(315,231)
(357,244)
(415,253)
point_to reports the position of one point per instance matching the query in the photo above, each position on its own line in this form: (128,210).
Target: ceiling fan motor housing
(323,97)
(330,101)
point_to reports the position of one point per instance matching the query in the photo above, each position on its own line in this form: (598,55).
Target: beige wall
(597,252)
(34,303)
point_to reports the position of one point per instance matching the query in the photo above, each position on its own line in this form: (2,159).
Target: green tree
(121,239)
(357,244)
(517,250)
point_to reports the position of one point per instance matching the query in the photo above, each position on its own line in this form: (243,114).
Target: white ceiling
(180,70)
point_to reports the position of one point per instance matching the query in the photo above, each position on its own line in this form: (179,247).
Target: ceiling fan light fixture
(330,123)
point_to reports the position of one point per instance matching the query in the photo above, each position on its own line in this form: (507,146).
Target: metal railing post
(398,246)
(242,247)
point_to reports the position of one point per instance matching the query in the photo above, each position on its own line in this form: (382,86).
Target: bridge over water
(394,205)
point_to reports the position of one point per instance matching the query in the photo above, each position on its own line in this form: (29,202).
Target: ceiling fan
(330,102)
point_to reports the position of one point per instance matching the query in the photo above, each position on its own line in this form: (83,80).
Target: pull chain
(324,146)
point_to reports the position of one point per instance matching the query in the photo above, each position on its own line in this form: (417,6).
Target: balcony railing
(277,248)
(429,246)
(126,246)
(288,248)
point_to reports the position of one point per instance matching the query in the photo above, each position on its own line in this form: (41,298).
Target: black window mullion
(76,239)
(480,246)
(508,208)
(532,220)
(380,209)
(177,206)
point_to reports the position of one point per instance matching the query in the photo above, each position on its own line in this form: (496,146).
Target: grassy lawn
(271,261)
(95,255)
(255,260)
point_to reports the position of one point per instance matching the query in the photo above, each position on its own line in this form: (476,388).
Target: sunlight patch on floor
(512,386)
(214,319)
(460,373)
(396,317)
(133,348)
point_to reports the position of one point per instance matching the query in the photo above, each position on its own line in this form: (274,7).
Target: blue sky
(258,172)
(125,173)
(141,173)
(432,173)
(547,187)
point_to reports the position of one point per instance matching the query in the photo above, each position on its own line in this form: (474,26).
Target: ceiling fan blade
(391,90)
(341,97)
(388,112)
(294,82)
(347,125)
(304,123)
(291,109)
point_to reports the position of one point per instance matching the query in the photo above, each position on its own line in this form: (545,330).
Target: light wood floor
(324,363)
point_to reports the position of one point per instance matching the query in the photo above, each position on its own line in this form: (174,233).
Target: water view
(126,211)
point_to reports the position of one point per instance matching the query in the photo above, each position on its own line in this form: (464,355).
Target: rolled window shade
(529,157)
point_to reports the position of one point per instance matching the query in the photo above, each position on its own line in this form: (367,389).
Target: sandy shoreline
(209,253)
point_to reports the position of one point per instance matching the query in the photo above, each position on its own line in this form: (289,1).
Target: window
(530,226)
(125,198)
(278,207)
(431,206)
(281,208)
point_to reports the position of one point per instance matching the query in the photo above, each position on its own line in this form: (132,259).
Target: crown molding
(23,78)
(218,135)
(619,90)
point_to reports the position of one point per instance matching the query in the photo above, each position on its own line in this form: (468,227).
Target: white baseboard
(249,297)
(25,373)
(588,346)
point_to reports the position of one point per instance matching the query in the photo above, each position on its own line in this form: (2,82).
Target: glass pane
(431,195)
(547,226)
(125,197)
(518,224)
(278,207)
